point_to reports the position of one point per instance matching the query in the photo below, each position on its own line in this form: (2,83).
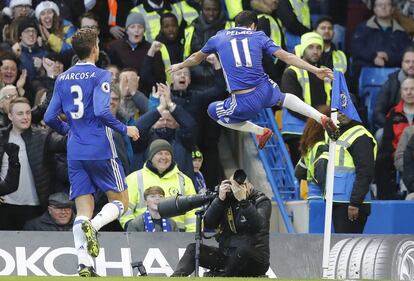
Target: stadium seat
(370,101)
(339,37)
(373,77)
(315,18)
(370,81)
(291,41)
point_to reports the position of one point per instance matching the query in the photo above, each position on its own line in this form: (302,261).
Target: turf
(50,278)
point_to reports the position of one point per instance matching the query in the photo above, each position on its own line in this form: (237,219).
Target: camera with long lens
(180,204)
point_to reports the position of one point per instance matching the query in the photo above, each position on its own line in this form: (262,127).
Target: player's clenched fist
(133,132)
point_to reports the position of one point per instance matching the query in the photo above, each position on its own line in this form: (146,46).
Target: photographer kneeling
(241,215)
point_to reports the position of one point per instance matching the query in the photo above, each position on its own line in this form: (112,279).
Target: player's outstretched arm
(195,59)
(292,59)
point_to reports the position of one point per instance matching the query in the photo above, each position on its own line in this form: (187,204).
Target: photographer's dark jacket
(251,220)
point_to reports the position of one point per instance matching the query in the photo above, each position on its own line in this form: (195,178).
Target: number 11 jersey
(241,51)
(83,93)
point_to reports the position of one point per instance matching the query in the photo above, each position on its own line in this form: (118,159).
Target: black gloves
(12,151)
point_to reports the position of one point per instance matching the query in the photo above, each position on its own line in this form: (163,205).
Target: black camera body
(180,204)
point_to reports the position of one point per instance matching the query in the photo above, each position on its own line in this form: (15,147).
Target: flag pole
(328,199)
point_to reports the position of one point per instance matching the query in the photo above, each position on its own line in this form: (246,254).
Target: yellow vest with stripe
(344,178)
(188,36)
(167,63)
(339,61)
(233,7)
(152,20)
(186,11)
(290,123)
(172,183)
(302,11)
(314,191)
(275,28)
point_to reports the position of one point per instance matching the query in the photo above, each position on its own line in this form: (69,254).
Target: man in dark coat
(58,217)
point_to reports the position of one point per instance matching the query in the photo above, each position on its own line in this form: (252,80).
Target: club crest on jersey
(344,100)
(106,87)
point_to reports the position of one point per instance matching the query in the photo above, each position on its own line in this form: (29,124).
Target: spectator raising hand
(21,82)
(128,83)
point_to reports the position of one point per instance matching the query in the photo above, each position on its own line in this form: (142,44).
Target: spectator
(35,183)
(161,170)
(211,20)
(172,123)
(331,57)
(133,102)
(380,41)
(389,95)
(115,73)
(295,16)
(11,181)
(407,133)
(151,220)
(89,20)
(7,94)
(313,148)
(400,117)
(305,85)
(12,15)
(272,27)
(152,9)
(10,75)
(55,31)
(354,171)
(58,217)
(168,44)
(69,10)
(200,183)
(129,52)
(122,144)
(43,85)
(31,53)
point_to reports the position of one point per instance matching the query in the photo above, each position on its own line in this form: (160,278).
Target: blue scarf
(150,226)
(200,182)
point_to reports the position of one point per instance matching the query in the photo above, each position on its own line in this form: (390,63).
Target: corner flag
(341,99)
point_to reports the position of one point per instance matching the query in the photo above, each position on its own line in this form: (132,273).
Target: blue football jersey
(83,94)
(241,51)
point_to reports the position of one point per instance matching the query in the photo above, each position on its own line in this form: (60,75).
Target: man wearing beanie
(32,53)
(153,9)
(159,170)
(130,51)
(305,85)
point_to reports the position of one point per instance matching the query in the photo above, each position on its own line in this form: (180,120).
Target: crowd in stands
(178,148)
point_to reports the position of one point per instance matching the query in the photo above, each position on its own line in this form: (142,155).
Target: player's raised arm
(292,59)
(53,111)
(195,59)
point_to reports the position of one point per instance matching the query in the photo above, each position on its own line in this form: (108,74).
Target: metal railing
(278,166)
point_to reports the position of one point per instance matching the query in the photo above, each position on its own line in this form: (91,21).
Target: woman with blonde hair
(312,147)
(56,32)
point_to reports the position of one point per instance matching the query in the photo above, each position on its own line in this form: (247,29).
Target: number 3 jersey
(241,51)
(83,93)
